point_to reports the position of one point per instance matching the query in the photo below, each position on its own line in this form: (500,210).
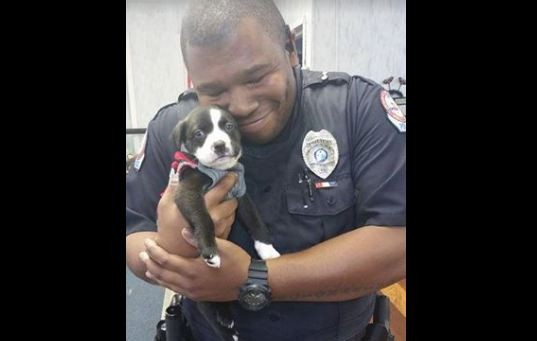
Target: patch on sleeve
(140,154)
(395,115)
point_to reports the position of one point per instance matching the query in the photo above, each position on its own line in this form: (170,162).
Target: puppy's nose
(219,147)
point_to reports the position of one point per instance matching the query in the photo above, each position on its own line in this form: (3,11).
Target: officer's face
(248,74)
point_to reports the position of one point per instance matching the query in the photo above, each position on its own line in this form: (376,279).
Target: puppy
(208,144)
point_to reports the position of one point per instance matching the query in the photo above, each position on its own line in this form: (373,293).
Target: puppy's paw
(235,338)
(213,261)
(225,321)
(266,251)
(210,256)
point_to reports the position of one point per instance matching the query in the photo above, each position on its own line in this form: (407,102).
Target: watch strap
(258,272)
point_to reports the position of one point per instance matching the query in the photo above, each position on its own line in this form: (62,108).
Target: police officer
(325,164)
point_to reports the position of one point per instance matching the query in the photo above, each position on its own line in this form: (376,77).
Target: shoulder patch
(395,115)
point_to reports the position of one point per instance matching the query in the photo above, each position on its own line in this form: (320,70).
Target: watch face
(254,297)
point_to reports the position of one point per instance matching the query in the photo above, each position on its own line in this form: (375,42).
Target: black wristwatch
(254,295)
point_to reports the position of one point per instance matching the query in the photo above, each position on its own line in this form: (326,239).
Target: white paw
(235,338)
(213,262)
(266,251)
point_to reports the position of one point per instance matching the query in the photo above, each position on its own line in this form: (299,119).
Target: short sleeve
(147,179)
(378,158)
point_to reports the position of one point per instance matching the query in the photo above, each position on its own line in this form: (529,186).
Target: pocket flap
(326,201)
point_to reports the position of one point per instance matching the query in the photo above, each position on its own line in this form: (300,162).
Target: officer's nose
(219,147)
(241,102)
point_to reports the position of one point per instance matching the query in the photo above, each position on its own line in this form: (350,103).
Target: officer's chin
(257,139)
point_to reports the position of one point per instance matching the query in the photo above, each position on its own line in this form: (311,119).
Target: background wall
(365,37)
(155,72)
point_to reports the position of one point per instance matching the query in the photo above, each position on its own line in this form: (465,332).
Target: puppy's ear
(178,134)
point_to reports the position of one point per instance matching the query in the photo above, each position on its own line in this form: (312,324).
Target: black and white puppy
(208,139)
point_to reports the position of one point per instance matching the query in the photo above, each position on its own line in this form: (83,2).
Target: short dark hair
(210,21)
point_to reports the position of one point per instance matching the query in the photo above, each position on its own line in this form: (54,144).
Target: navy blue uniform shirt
(371,190)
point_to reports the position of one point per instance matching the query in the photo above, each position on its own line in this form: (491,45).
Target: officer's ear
(290,46)
(289,36)
(178,134)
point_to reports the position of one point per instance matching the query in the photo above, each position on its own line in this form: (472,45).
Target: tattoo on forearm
(332,292)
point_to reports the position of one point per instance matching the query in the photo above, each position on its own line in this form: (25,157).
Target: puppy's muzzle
(219,148)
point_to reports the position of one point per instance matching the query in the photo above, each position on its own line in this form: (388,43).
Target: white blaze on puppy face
(206,153)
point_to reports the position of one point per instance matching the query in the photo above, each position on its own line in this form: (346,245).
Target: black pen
(308,180)
(304,194)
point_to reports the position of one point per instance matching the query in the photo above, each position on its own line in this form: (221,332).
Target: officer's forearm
(171,242)
(348,266)
(135,245)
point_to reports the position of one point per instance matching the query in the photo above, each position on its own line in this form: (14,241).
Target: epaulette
(312,78)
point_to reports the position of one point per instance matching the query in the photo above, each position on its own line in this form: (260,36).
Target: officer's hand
(170,221)
(192,277)
(222,212)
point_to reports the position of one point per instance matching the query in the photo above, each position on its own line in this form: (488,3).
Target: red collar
(182,159)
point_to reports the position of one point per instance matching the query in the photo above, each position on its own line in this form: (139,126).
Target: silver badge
(320,152)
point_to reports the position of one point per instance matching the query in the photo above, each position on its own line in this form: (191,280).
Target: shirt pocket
(326,201)
(329,214)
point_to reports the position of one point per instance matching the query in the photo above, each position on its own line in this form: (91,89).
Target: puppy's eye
(199,134)
(229,126)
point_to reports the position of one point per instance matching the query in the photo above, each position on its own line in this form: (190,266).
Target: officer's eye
(199,134)
(229,126)
(254,82)
(214,93)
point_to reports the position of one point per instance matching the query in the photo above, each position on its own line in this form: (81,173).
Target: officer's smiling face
(250,75)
